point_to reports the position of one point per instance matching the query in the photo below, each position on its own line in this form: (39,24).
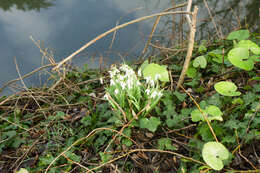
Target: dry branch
(190,47)
(114,29)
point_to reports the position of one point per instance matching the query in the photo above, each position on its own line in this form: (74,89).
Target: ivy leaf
(214,153)
(239,57)
(180,96)
(10,134)
(105,157)
(249,45)
(165,143)
(150,124)
(200,61)
(151,70)
(46,160)
(73,156)
(86,121)
(239,35)
(226,88)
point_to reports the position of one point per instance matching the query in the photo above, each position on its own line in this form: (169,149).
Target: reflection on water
(65,25)
(25,5)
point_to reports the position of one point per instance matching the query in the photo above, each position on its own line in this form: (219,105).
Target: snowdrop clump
(132,93)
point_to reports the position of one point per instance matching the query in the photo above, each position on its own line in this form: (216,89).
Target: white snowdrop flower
(101,80)
(157,76)
(148,79)
(121,77)
(152,83)
(160,94)
(123,85)
(112,82)
(124,68)
(147,91)
(138,83)
(116,91)
(129,83)
(154,94)
(139,73)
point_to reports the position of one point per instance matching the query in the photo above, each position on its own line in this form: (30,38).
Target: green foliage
(249,45)
(165,143)
(239,57)
(238,35)
(130,94)
(214,153)
(73,115)
(22,170)
(200,61)
(226,88)
(105,157)
(212,112)
(153,70)
(151,124)
(191,72)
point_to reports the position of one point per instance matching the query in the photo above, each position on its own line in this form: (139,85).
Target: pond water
(63,26)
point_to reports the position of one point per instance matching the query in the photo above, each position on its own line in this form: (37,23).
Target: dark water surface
(66,25)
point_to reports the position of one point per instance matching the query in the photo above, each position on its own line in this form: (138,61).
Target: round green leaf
(22,170)
(226,88)
(151,70)
(239,58)
(239,35)
(249,45)
(214,112)
(213,154)
(200,61)
(196,115)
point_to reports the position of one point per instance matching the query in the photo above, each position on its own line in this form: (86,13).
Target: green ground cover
(90,121)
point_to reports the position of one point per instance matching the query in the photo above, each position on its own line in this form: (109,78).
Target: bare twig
(84,138)
(203,114)
(25,76)
(187,16)
(190,47)
(219,32)
(147,150)
(25,87)
(112,30)
(155,25)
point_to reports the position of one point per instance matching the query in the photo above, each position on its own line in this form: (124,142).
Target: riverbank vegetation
(138,117)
